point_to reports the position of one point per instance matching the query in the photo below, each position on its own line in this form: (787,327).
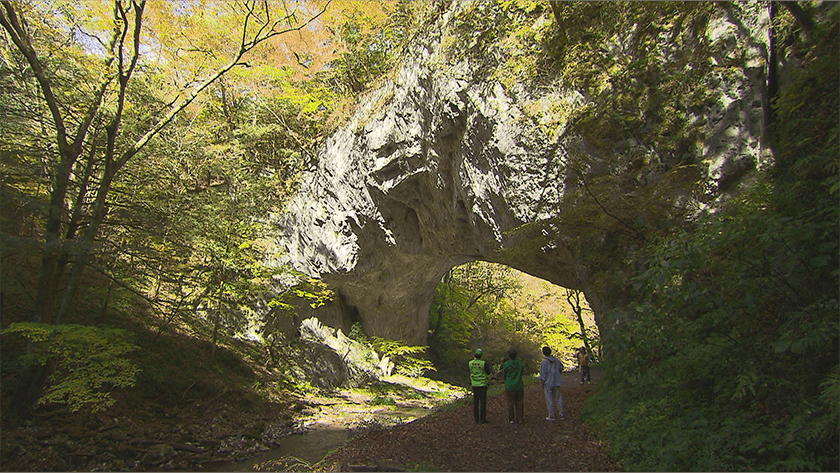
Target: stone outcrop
(353,363)
(437,167)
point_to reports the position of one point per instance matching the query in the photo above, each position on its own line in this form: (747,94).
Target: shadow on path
(451,441)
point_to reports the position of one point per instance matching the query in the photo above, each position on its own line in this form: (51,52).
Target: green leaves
(494,307)
(734,318)
(371,35)
(408,360)
(405,357)
(89,362)
(313,290)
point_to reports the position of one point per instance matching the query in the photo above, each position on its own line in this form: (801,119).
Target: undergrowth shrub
(89,361)
(727,357)
(408,360)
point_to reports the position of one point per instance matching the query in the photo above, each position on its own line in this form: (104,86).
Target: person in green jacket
(514,387)
(479,374)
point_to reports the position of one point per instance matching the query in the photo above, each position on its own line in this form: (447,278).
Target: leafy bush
(727,354)
(383,401)
(373,38)
(404,357)
(728,348)
(407,359)
(88,362)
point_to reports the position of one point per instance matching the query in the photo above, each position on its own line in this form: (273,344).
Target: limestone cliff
(442,162)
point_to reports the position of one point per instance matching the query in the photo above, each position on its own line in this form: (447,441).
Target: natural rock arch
(436,169)
(398,200)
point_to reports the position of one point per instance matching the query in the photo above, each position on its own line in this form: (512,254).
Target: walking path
(452,441)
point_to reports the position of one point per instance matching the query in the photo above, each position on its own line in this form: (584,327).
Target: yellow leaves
(310,49)
(315,291)
(527,6)
(188,39)
(368,16)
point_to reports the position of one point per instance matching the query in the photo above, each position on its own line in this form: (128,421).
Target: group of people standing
(551,369)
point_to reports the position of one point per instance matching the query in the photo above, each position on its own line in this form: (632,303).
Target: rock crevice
(438,167)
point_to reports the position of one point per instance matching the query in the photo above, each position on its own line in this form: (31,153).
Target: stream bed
(334,427)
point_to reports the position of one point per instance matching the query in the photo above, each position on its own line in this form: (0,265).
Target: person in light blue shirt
(550,371)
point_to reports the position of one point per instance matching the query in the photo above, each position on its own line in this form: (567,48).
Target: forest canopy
(143,140)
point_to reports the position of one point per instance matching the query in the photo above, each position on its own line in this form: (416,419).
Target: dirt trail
(451,441)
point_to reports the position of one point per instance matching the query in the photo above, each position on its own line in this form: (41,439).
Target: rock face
(435,169)
(336,359)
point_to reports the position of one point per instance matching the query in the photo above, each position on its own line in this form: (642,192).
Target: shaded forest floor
(228,433)
(451,441)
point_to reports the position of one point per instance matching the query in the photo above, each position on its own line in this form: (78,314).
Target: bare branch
(609,214)
(138,23)
(244,47)
(121,25)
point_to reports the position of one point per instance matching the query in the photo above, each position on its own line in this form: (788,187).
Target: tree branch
(12,24)
(244,47)
(804,20)
(604,209)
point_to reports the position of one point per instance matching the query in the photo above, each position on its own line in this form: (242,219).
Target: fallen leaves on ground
(452,441)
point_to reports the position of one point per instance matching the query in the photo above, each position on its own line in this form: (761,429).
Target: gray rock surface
(438,166)
(336,360)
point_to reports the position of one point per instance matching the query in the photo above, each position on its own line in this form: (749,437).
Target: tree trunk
(216,323)
(53,266)
(438,322)
(555,9)
(33,378)
(86,243)
(104,312)
(804,20)
(573,297)
(772,72)
(28,391)
(47,288)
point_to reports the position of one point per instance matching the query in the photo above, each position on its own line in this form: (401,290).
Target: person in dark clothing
(479,374)
(583,364)
(514,388)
